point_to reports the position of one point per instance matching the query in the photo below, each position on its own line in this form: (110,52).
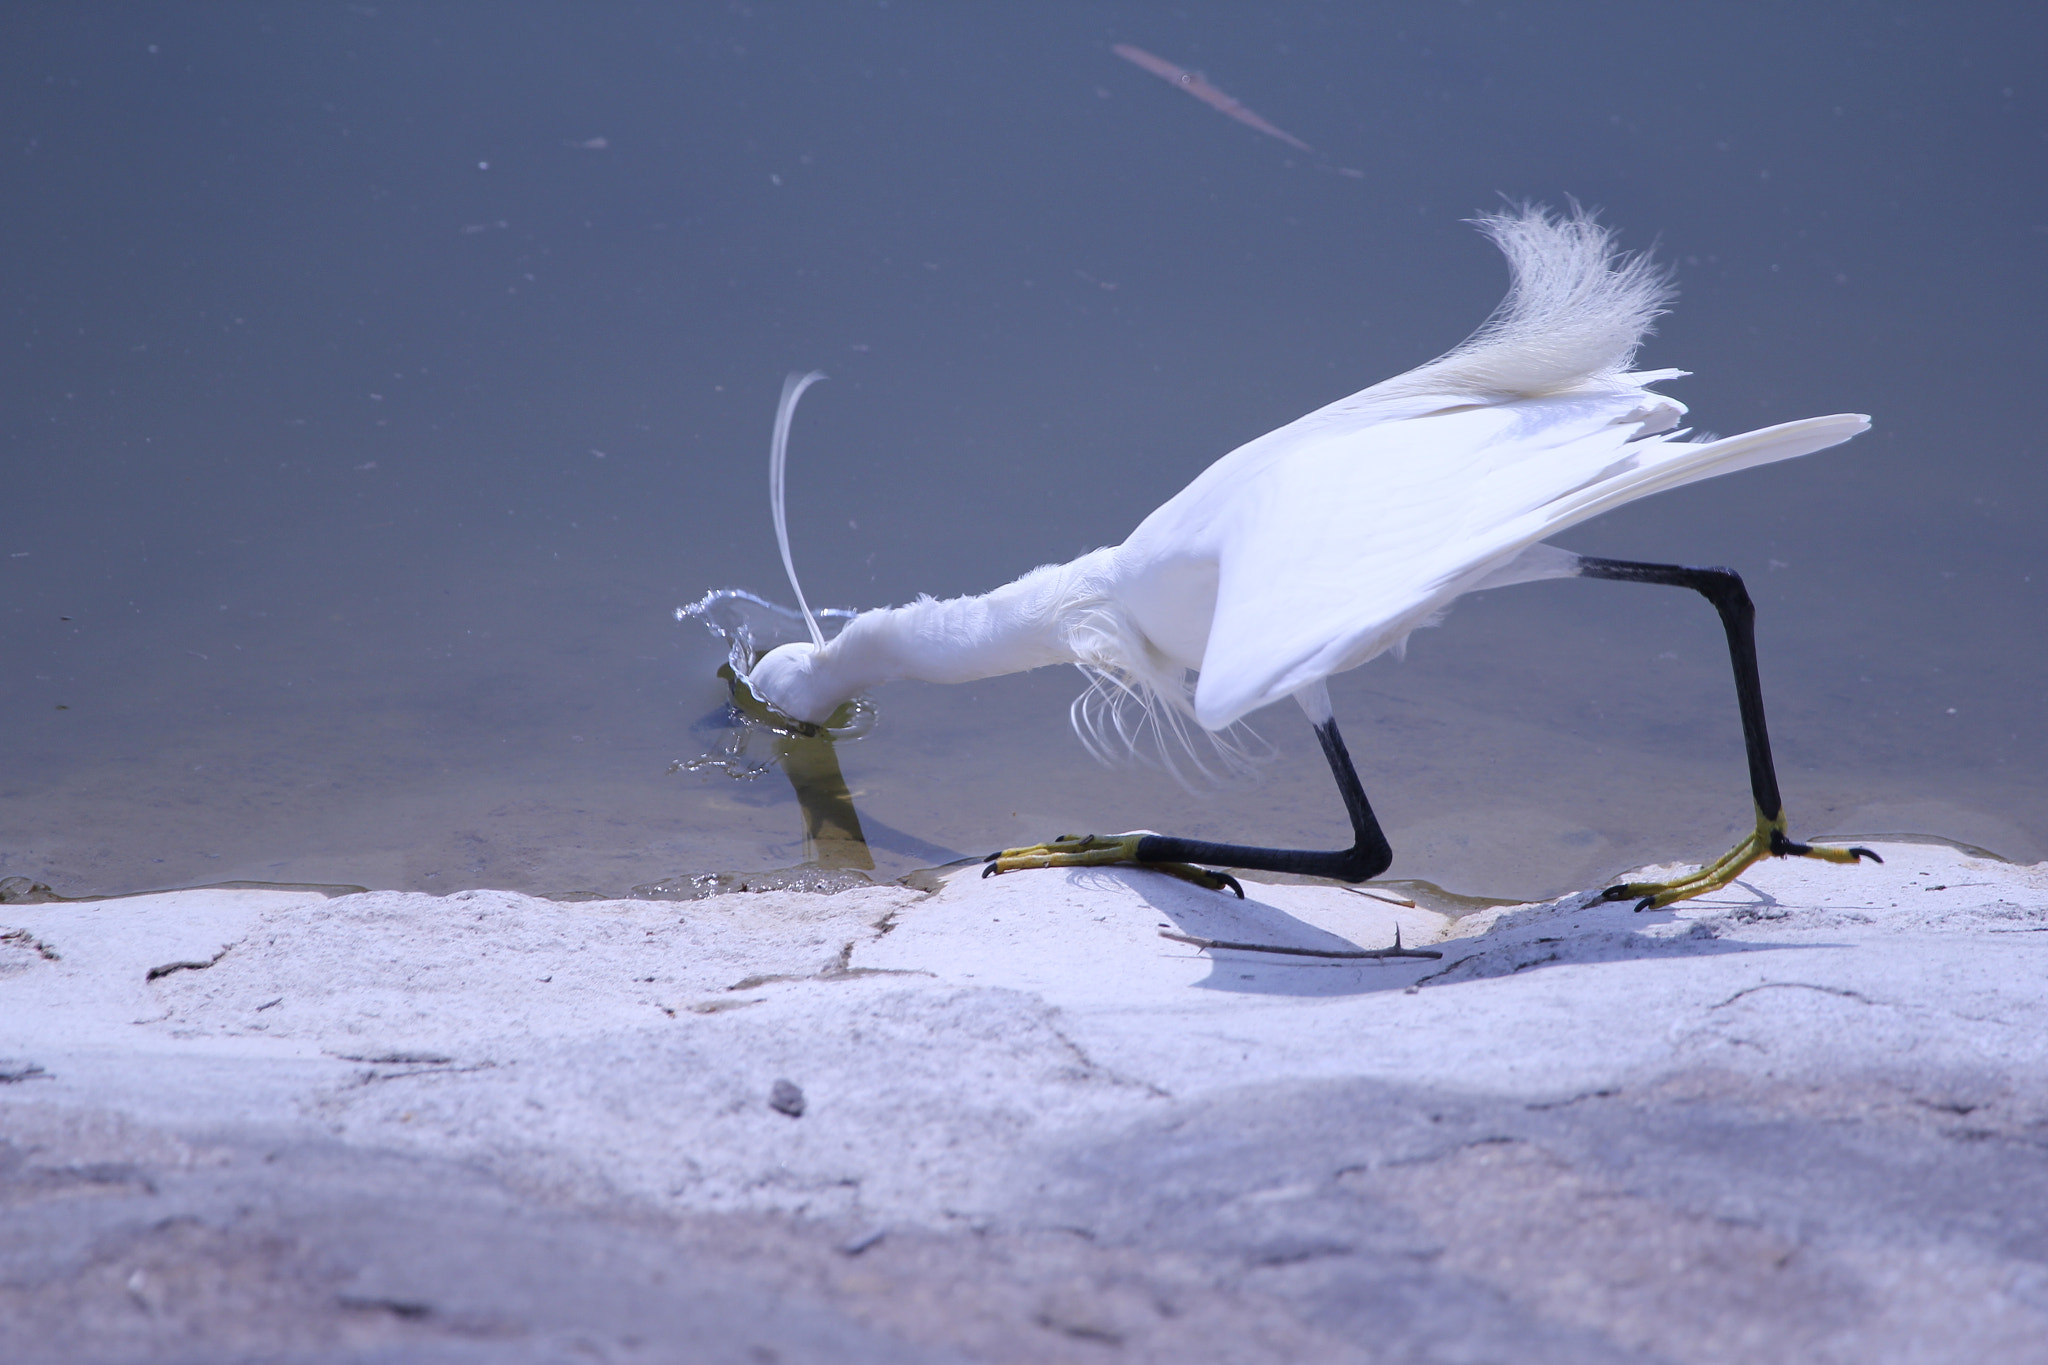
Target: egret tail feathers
(1576,310)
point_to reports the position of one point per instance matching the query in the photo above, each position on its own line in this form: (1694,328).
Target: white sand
(1584,1118)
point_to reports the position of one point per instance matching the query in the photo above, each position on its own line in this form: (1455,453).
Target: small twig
(27,942)
(1380,896)
(156,973)
(1396,951)
(856,1245)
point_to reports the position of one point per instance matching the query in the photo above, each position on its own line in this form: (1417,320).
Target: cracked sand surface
(1804,1119)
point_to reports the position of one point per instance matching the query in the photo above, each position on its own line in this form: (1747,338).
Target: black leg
(1367,857)
(1723,588)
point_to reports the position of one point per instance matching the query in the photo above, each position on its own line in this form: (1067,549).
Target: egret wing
(1350,539)
(1333,542)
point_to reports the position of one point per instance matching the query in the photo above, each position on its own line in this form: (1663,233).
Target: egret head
(788,678)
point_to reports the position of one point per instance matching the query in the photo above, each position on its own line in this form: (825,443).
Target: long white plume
(778,460)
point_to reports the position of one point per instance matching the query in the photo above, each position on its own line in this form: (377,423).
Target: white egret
(1325,543)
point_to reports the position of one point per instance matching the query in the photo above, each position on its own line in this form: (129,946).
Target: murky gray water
(382,377)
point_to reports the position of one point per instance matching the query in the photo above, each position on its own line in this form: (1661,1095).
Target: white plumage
(1325,543)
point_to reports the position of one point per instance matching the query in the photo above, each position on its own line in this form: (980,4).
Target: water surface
(383,376)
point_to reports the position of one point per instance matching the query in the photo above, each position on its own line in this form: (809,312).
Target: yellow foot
(1102,850)
(1767,841)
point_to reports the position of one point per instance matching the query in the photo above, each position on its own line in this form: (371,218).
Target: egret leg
(1367,857)
(1723,588)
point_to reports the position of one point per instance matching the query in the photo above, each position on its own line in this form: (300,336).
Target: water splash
(748,731)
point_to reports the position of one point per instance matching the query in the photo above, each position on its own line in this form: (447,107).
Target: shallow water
(367,420)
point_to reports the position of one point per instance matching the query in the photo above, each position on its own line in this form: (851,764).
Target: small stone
(786,1098)
(854,1246)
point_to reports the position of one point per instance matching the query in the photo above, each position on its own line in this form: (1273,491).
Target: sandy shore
(1802,1120)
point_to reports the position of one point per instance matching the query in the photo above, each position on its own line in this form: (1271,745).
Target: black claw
(1645,903)
(1782,847)
(1230,882)
(991,869)
(1612,893)
(1862,853)
(992,857)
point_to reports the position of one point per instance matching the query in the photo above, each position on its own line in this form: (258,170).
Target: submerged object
(1208,94)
